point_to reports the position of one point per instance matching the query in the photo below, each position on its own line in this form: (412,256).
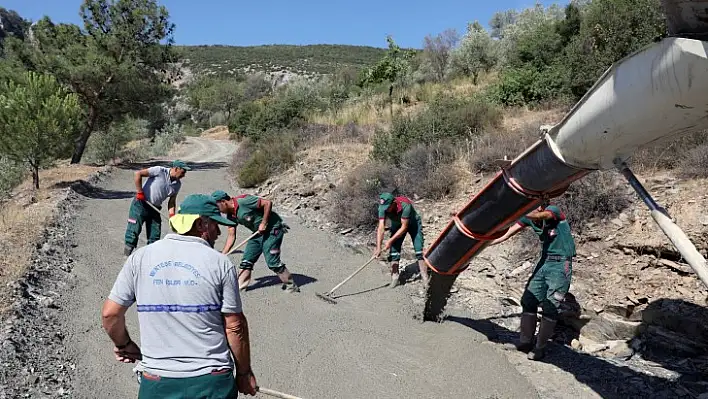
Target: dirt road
(366,346)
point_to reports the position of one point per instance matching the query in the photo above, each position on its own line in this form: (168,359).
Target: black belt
(558,258)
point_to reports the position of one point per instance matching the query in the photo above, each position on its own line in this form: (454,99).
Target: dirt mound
(217,133)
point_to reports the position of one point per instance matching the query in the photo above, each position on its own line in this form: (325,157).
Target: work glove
(140,196)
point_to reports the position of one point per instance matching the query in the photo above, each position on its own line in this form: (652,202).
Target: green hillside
(320,58)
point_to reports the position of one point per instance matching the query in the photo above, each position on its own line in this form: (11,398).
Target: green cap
(219,195)
(180,164)
(385,200)
(192,207)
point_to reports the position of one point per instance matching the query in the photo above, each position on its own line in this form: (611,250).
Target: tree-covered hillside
(318,59)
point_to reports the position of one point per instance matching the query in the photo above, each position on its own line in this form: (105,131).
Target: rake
(234,249)
(327,297)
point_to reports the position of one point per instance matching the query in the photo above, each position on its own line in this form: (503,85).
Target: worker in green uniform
(550,280)
(162,184)
(404,219)
(256,214)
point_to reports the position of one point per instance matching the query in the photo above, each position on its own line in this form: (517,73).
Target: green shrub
(484,150)
(288,109)
(256,86)
(137,154)
(354,201)
(254,170)
(166,138)
(446,118)
(272,154)
(11,174)
(276,114)
(104,147)
(529,85)
(427,170)
(597,195)
(241,119)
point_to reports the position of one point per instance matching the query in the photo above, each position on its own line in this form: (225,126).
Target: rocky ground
(33,358)
(634,305)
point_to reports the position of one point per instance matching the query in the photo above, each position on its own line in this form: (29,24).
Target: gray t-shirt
(182,286)
(158,186)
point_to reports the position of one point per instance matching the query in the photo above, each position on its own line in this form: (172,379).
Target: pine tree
(38,120)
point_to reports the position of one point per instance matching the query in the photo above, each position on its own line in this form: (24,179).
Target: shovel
(327,297)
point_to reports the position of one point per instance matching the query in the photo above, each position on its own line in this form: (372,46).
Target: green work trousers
(142,213)
(415,231)
(269,245)
(548,286)
(216,385)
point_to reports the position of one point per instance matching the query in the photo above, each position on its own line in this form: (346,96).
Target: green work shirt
(249,215)
(554,234)
(402,209)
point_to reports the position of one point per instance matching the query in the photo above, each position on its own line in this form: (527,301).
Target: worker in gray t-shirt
(162,183)
(189,309)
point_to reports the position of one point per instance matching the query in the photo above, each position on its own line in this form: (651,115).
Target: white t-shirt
(181,286)
(158,185)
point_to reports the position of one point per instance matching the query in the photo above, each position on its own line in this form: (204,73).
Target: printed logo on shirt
(185,281)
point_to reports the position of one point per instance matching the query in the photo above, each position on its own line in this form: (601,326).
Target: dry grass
(364,113)
(23,217)
(336,159)
(358,192)
(375,110)
(521,118)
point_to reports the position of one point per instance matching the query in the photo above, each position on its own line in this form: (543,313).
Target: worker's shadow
(194,166)
(88,190)
(605,378)
(268,281)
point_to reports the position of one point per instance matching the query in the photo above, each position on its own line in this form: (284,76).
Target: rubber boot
(545,332)
(526,333)
(395,277)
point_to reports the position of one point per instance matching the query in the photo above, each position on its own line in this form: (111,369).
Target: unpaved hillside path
(366,346)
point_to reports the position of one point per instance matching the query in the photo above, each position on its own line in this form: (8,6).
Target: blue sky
(243,23)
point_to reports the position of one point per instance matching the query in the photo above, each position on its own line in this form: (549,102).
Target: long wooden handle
(352,275)
(234,249)
(276,394)
(155,208)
